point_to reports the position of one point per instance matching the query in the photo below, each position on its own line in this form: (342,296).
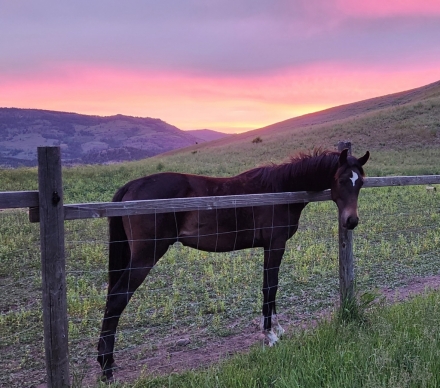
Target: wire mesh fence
(196,307)
(21,329)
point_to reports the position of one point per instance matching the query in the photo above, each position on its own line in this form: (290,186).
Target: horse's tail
(119,250)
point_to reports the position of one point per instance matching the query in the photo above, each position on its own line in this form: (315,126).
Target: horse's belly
(222,241)
(224,230)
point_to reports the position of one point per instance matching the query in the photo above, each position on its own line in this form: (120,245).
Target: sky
(226,65)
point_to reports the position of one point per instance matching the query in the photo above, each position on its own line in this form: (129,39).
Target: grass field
(207,297)
(210,298)
(398,346)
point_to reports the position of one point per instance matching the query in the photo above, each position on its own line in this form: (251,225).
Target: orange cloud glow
(192,102)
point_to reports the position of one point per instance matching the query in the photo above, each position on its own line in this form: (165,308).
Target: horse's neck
(311,174)
(318,180)
(308,184)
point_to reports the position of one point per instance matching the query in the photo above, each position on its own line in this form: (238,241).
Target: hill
(401,130)
(84,139)
(358,109)
(207,134)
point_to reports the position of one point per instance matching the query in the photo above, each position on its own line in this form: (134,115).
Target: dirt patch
(414,287)
(178,355)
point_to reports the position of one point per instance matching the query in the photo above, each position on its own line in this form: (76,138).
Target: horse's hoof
(107,379)
(279,331)
(271,338)
(107,375)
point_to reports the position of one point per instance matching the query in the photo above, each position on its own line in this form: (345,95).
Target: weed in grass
(354,309)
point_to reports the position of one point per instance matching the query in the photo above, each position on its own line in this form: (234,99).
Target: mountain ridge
(85,139)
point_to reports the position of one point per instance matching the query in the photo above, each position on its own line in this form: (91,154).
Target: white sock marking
(274,334)
(272,338)
(276,326)
(354,178)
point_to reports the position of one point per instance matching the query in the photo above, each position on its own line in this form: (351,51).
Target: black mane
(312,171)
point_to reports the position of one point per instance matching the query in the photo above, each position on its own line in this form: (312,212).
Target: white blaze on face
(354,178)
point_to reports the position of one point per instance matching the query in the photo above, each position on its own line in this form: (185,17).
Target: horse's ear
(364,158)
(343,157)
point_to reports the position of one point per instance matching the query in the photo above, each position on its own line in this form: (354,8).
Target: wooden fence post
(346,266)
(53,266)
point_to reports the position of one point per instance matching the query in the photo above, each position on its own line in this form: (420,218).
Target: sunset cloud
(219,64)
(231,104)
(390,8)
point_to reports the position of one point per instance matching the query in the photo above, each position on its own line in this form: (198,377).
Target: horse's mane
(305,171)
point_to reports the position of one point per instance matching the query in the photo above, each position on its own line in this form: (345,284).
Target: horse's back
(156,186)
(177,185)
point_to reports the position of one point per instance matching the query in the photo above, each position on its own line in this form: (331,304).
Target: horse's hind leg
(117,300)
(119,251)
(272,261)
(144,257)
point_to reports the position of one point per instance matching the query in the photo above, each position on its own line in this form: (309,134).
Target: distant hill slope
(351,110)
(401,130)
(302,127)
(207,134)
(84,139)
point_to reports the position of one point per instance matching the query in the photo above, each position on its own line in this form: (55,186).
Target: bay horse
(137,242)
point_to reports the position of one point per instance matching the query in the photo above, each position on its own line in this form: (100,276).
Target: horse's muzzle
(351,223)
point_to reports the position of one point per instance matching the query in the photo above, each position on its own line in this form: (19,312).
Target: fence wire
(21,327)
(196,308)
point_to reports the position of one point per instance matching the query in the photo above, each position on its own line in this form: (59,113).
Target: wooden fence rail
(151,206)
(29,199)
(17,199)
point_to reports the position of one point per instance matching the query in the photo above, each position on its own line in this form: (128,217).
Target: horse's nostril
(352,222)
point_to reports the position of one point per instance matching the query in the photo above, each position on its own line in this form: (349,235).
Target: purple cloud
(215,37)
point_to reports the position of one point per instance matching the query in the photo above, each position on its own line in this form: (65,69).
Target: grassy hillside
(402,131)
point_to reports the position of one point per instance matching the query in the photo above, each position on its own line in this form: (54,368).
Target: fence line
(47,205)
(288,302)
(157,206)
(22,199)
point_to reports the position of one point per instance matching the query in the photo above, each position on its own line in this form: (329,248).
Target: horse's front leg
(271,328)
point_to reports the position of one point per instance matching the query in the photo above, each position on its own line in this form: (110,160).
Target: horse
(137,242)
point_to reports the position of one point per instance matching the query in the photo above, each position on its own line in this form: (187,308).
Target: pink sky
(223,66)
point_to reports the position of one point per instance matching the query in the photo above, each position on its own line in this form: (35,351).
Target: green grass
(207,296)
(398,346)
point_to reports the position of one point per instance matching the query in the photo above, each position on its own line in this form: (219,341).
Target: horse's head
(346,185)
